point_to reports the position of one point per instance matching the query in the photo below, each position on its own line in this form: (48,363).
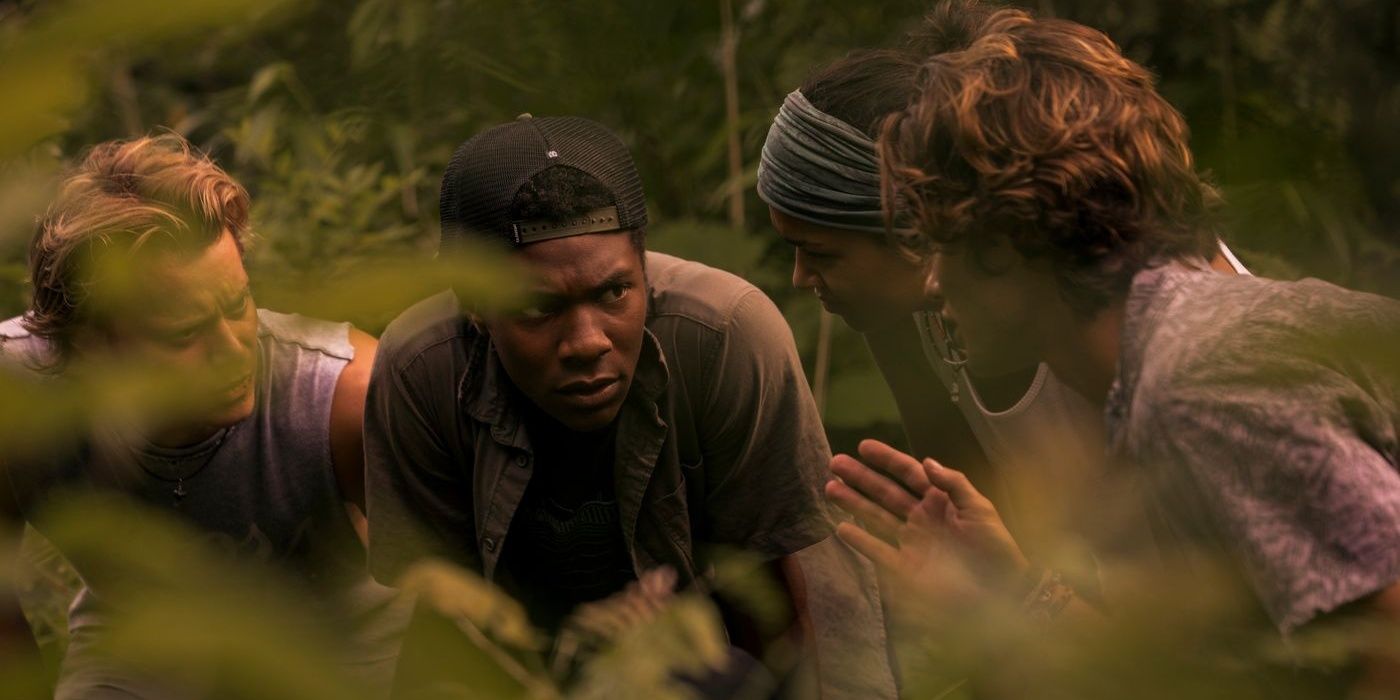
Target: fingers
(658,584)
(876,518)
(927,527)
(636,604)
(868,545)
(953,482)
(875,486)
(930,516)
(899,466)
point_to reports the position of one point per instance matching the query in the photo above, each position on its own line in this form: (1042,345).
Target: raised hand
(926,525)
(881,488)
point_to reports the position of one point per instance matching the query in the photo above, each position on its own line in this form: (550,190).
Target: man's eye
(181,339)
(539,308)
(614,293)
(239,308)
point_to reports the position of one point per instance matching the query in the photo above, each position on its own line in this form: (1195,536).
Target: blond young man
(140,260)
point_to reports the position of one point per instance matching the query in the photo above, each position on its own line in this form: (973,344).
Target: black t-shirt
(565,545)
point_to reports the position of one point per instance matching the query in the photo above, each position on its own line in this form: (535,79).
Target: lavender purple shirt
(1261,418)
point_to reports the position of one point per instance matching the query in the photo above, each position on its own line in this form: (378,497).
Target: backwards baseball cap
(489,170)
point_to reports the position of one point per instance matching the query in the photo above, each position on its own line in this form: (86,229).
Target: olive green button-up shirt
(718,441)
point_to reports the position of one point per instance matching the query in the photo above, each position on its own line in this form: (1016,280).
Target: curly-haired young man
(1052,192)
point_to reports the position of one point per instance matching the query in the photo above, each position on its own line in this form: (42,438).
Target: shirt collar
(1152,289)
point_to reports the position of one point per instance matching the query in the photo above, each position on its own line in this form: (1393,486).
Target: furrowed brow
(616,279)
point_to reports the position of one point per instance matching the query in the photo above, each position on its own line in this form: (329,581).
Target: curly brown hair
(124,196)
(1040,130)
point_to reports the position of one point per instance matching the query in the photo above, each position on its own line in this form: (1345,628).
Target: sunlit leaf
(178,612)
(686,638)
(747,580)
(380,288)
(457,593)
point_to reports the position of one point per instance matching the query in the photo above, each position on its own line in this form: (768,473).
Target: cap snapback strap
(596,221)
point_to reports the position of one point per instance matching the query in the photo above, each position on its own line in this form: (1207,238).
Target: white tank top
(1052,438)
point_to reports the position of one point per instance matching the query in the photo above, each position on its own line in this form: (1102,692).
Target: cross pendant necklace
(179,491)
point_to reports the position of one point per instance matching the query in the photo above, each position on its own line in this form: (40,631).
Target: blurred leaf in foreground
(38,414)
(686,638)
(45,64)
(1170,632)
(460,594)
(468,639)
(745,579)
(99,389)
(372,291)
(46,584)
(181,614)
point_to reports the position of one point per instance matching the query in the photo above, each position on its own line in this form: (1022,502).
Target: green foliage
(686,638)
(470,627)
(456,594)
(339,117)
(45,583)
(46,62)
(744,579)
(371,291)
(182,614)
(720,246)
(1293,105)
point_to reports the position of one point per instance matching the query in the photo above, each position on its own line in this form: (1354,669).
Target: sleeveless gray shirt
(268,490)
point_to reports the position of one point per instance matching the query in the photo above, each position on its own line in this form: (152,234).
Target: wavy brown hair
(1040,130)
(123,197)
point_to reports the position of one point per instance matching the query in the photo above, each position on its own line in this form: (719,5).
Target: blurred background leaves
(339,117)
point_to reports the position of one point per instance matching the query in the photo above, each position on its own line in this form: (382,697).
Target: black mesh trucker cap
(488,170)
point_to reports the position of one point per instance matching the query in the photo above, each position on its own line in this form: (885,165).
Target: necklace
(179,491)
(950,351)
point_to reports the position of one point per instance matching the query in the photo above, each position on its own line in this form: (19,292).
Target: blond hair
(124,196)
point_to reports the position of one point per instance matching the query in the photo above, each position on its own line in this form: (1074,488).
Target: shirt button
(521,460)
(489,543)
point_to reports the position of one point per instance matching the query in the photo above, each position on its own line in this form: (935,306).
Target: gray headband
(820,169)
